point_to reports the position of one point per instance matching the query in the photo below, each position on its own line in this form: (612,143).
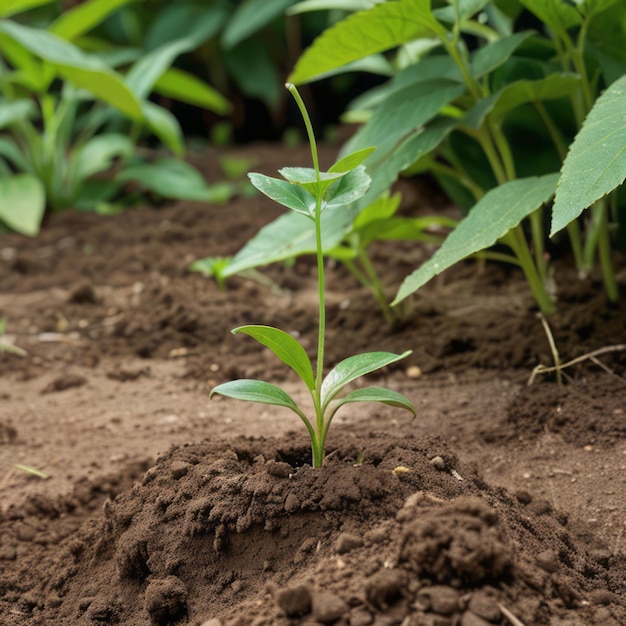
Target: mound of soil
(245,533)
(501,503)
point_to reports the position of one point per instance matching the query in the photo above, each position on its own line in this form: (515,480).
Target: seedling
(310,192)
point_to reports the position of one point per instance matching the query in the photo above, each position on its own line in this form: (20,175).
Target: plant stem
(516,240)
(377,287)
(317,444)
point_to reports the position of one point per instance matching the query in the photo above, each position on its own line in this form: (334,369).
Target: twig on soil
(559,366)
(514,621)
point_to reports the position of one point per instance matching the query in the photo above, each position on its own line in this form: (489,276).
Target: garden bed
(499,501)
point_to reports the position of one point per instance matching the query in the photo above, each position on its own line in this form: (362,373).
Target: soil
(500,503)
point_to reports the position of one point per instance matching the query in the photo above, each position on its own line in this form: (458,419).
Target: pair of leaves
(290,352)
(304,188)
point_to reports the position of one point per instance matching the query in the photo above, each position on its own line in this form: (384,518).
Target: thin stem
(517,242)
(377,287)
(309,127)
(604,252)
(318,442)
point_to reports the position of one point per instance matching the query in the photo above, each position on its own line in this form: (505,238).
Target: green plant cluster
(72,105)
(516,106)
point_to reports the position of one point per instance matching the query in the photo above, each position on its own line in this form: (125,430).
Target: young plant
(311,193)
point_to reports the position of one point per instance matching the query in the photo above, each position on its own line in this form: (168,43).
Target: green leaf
(467,8)
(16,111)
(349,188)
(185,87)
(352,368)
(11,151)
(384,167)
(289,236)
(87,72)
(555,14)
(11,7)
(321,5)
(99,152)
(23,203)
(521,92)
(172,178)
(499,210)
(378,211)
(596,162)
(292,196)
(176,19)
(164,125)
(255,71)
(84,17)
(351,161)
(594,7)
(491,56)
(285,347)
(404,111)
(380,28)
(250,17)
(256,391)
(378,394)
(307,178)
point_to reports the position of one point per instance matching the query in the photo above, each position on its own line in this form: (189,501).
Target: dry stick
(542,369)
(514,621)
(555,352)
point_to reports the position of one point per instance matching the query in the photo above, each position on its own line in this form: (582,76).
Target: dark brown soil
(501,503)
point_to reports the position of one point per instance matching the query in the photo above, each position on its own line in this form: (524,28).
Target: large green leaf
(285,347)
(23,203)
(185,87)
(75,22)
(404,111)
(250,17)
(384,167)
(499,210)
(85,71)
(380,28)
(378,394)
(289,236)
(11,7)
(521,92)
(596,162)
(352,368)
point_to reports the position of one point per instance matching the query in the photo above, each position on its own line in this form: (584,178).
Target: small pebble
(328,607)
(346,542)
(294,601)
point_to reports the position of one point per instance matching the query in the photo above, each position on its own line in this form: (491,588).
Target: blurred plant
(310,193)
(347,238)
(6,343)
(490,112)
(65,114)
